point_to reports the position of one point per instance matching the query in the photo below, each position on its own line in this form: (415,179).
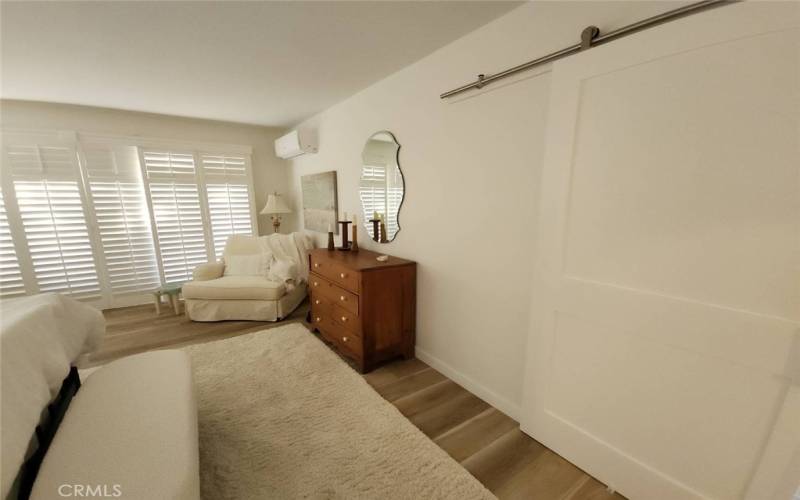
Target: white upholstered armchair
(259,279)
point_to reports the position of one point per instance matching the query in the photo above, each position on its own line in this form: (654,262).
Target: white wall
(471,167)
(270,173)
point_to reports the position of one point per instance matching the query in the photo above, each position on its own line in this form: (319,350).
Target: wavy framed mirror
(382,187)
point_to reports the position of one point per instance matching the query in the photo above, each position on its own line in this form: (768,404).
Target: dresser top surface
(363,260)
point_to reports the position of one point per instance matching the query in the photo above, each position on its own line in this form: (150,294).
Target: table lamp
(274,208)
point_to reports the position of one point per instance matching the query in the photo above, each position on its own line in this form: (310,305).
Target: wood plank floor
(137,329)
(486,442)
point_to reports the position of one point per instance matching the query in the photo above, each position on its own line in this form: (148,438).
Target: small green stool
(172,291)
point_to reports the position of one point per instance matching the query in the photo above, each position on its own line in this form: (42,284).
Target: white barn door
(664,353)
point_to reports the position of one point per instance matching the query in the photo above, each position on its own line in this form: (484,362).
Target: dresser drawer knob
(344,318)
(342,275)
(342,298)
(344,339)
(316,302)
(316,284)
(318,319)
(316,264)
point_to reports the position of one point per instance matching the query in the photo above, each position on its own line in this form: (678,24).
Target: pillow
(245,265)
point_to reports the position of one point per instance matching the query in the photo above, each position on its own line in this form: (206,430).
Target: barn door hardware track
(590,37)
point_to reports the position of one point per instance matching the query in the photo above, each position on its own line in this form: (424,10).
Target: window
(372,191)
(45,180)
(175,200)
(123,221)
(106,219)
(195,209)
(11,283)
(228,194)
(57,237)
(381,194)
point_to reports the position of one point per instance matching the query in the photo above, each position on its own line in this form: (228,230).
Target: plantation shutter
(11,283)
(174,192)
(230,204)
(381,192)
(394,197)
(46,184)
(122,217)
(372,191)
(105,219)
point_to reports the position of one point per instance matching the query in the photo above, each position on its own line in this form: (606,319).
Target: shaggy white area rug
(282,417)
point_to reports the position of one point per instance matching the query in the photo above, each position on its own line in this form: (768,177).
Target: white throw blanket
(289,247)
(40,337)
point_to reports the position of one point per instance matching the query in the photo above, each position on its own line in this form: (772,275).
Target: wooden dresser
(365,308)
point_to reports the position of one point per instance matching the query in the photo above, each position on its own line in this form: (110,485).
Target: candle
(345,216)
(330,228)
(355,219)
(375,215)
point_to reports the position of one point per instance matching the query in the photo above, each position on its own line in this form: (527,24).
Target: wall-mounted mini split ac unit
(296,143)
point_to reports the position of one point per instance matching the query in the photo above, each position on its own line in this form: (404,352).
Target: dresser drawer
(338,274)
(334,293)
(344,339)
(319,301)
(322,306)
(348,320)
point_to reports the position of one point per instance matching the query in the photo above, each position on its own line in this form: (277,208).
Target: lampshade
(275,205)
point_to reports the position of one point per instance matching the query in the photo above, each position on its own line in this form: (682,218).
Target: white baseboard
(509,408)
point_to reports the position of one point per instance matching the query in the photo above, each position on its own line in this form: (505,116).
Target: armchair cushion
(208,271)
(234,288)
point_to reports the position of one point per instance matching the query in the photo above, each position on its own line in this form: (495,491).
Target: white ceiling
(268,63)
